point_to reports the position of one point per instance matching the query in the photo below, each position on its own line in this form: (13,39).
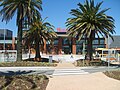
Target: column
(60,45)
(106,44)
(73,46)
(45,50)
(13,43)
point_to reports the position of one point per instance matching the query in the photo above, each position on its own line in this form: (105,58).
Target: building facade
(5,32)
(6,40)
(115,43)
(63,44)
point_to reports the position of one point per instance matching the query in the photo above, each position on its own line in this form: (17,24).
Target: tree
(37,33)
(88,22)
(25,10)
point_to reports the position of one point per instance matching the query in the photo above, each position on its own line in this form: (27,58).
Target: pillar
(106,42)
(60,46)
(45,50)
(13,43)
(73,46)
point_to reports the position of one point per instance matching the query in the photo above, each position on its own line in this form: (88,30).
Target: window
(102,41)
(80,42)
(55,42)
(95,42)
(66,41)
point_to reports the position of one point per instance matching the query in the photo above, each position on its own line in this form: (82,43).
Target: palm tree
(38,32)
(88,22)
(26,10)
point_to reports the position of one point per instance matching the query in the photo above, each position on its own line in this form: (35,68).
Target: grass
(113,74)
(23,82)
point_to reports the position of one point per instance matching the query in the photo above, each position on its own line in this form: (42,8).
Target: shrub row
(26,63)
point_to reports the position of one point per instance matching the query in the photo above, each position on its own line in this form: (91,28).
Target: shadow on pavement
(19,72)
(10,73)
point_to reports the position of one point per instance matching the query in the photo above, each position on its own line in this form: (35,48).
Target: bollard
(50,59)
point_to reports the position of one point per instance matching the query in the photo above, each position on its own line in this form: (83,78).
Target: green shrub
(26,63)
(82,63)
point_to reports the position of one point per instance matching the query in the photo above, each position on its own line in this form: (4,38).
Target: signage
(61,30)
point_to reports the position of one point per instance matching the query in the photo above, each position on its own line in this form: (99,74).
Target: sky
(58,11)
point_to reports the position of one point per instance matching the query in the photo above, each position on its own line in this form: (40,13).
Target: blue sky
(57,12)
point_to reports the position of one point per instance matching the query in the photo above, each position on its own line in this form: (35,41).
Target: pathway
(63,79)
(67,68)
(95,81)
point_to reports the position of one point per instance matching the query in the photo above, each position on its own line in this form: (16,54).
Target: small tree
(38,32)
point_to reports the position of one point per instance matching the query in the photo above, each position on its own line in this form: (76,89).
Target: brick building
(67,45)
(62,44)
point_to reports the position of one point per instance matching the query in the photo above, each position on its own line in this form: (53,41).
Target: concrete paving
(65,64)
(26,70)
(69,71)
(64,68)
(94,81)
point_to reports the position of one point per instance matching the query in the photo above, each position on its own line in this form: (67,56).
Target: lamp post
(4,44)
(4,40)
(108,52)
(83,52)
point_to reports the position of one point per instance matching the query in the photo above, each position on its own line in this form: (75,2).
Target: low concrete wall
(11,55)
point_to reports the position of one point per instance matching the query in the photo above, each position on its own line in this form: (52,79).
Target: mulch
(23,82)
(113,74)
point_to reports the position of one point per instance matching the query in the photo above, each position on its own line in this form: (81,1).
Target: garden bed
(81,63)
(26,63)
(113,74)
(23,82)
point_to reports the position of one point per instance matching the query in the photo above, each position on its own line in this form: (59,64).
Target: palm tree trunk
(19,42)
(19,37)
(90,47)
(37,48)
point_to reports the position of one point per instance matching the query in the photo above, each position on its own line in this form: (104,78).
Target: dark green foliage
(89,21)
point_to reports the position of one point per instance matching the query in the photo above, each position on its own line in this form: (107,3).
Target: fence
(8,55)
(11,55)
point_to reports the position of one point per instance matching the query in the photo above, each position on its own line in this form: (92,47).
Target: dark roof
(116,42)
(6,38)
(61,32)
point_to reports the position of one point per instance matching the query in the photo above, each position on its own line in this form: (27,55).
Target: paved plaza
(84,81)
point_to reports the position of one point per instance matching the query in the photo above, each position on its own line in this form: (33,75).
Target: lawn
(23,82)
